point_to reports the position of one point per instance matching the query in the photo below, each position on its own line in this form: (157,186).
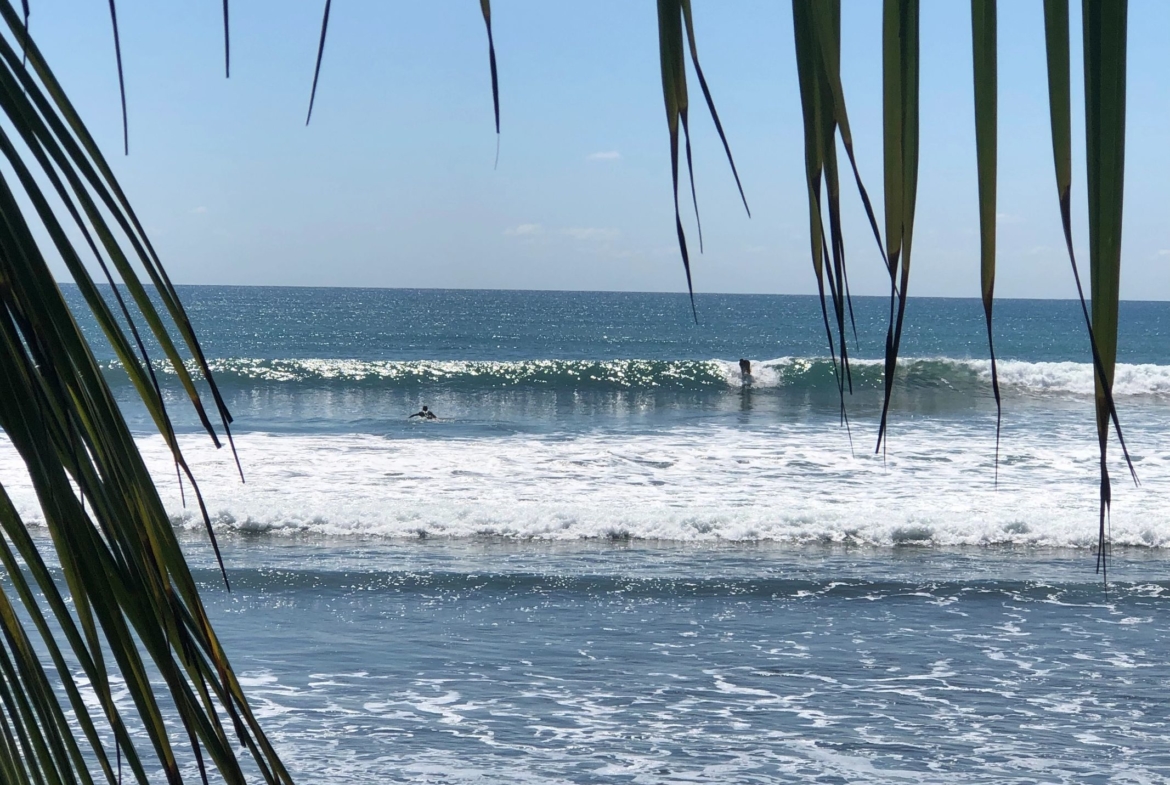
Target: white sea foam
(1129,378)
(787,482)
(1019,376)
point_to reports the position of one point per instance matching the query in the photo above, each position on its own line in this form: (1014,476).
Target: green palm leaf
(817,31)
(983,48)
(135,609)
(121,77)
(320,55)
(486,7)
(672,53)
(900,119)
(227,43)
(1105,55)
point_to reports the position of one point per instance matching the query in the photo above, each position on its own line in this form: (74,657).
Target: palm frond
(133,608)
(1104,23)
(900,134)
(486,7)
(227,43)
(672,53)
(814,62)
(121,76)
(984,54)
(320,55)
(1105,150)
(689,20)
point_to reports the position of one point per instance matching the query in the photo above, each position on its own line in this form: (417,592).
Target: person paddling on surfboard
(425,414)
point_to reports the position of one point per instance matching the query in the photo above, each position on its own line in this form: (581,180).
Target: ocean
(611,560)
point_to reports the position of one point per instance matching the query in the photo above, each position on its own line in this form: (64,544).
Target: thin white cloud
(523,230)
(607,155)
(591,233)
(199,210)
(1164,252)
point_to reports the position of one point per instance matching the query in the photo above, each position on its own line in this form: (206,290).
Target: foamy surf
(793,483)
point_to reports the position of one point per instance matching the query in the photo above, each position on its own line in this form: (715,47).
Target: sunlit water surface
(613,559)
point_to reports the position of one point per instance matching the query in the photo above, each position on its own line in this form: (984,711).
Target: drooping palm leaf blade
(1104,23)
(67,136)
(227,43)
(121,77)
(46,136)
(807,67)
(985,57)
(133,608)
(486,7)
(674,95)
(820,128)
(1056,27)
(689,20)
(828,30)
(900,147)
(320,55)
(672,54)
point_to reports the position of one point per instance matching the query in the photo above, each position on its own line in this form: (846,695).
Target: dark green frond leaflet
(900,143)
(320,54)
(671,49)
(984,56)
(1104,51)
(124,605)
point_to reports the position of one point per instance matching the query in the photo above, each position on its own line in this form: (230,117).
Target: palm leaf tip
(121,78)
(227,43)
(688,19)
(1104,42)
(486,8)
(817,32)
(984,55)
(674,95)
(123,602)
(900,61)
(320,55)
(675,20)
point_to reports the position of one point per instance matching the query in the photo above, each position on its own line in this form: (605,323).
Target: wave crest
(784,373)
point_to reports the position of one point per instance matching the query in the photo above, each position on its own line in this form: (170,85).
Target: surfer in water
(745,370)
(425,414)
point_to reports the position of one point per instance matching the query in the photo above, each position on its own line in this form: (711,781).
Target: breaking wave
(785,373)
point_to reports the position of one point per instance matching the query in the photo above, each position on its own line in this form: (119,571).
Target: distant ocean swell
(785,373)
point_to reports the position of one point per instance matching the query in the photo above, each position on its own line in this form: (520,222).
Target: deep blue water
(612,559)
(457,324)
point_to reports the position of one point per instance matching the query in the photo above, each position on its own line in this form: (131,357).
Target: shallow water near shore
(497,661)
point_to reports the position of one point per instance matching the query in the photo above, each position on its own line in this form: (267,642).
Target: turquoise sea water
(611,560)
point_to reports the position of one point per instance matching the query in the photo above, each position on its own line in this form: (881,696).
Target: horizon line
(604,291)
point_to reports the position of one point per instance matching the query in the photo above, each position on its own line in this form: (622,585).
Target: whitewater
(795,483)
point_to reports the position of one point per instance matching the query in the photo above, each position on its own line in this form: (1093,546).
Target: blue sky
(393,183)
